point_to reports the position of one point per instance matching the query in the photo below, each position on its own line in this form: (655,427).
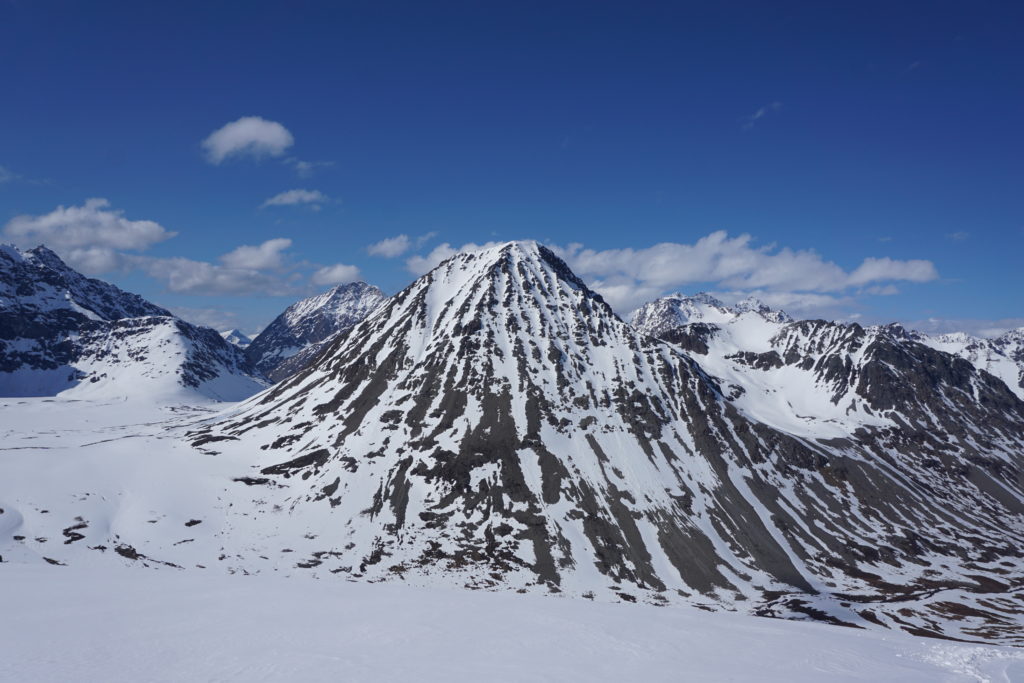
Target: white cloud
(748,121)
(185,276)
(390,247)
(335,275)
(305,169)
(625,296)
(419,265)
(293,197)
(95,260)
(958,236)
(261,257)
(885,268)
(630,277)
(7,175)
(86,236)
(735,263)
(250,136)
(245,270)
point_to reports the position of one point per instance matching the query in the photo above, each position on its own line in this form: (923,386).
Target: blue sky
(855,160)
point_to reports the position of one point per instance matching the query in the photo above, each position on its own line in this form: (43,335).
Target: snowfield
(107,617)
(64,624)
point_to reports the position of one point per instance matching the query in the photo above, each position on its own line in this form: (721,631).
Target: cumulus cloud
(96,260)
(260,257)
(249,136)
(880,269)
(88,237)
(629,277)
(390,247)
(185,276)
(93,224)
(335,275)
(293,197)
(245,270)
(393,247)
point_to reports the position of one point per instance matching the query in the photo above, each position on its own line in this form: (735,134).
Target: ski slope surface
(62,624)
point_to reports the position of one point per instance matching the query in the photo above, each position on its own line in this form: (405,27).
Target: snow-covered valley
(121,563)
(495,428)
(62,623)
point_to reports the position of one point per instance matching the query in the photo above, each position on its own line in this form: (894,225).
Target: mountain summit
(309,322)
(495,424)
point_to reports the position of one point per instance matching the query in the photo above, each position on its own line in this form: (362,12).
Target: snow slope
(62,624)
(496,425)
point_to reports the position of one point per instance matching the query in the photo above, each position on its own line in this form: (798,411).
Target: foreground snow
(65,623)
(105,617)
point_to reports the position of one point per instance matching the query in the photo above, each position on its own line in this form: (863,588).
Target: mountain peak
(311,321)
(675,310)
(752,304)
(236,337)
(69,333)
(43,252)
(38,280)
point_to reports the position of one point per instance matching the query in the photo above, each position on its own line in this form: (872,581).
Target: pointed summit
(236,337)
(38,280)
(496,425)
(754,305)
(310,322)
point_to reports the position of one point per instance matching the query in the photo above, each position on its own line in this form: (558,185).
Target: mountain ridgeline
(294,338)
(63,333)
(496,425)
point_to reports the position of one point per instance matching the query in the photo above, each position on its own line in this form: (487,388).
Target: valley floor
(64,623)
(76,476)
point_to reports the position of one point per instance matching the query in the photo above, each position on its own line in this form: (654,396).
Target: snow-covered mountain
(496,425)
(309,322)
(1003,356)
(676,310)
(236,338)
(63,333)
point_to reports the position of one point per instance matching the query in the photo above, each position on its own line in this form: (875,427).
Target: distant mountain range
(63,333)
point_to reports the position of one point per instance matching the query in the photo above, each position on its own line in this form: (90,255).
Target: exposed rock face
(1002,356)
(309,322)
(496,425)
(62,332)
